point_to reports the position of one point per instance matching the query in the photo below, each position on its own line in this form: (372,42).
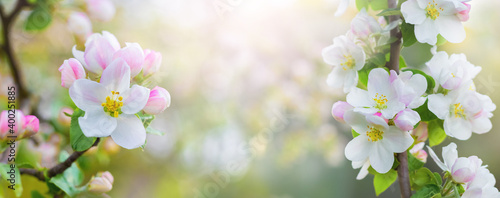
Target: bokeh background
(249,97)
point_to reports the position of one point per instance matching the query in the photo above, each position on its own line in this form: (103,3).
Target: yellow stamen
(432,10)
(374,134)
(113,104)
(349,63)
(380,101)
(458,110)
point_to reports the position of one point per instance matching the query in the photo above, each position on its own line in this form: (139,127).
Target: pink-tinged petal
(358,148)
(133,55)
(359,98)
(426,32)
(111,39)
(19,123)
(4,125)
(356,120)
(473,193)
(32,125)
(457,128)
(159,100)
(378,82)
(71,70)
(88,95)
(439,105)
(381,159)
(333,54)
(421,132)
(406,119)
(462,171)
(129,132)
(98,55)
(134,99)
(397,141)
(450,154)
(117,76)
(412,12)
(436,159)
(79,55)
(338,110)
(464,14)
(97,124)
(152,62)
(451,28)
(452,83)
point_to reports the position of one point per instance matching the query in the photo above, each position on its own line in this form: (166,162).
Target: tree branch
(59,168)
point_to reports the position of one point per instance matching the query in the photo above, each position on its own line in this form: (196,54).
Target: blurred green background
(249,97)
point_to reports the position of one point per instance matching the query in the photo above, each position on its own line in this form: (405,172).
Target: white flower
(462,169)
(410,88)
(364,165)
(380,97)
(433,17)
(342,7)
(347,59)
(377,141)
(464,111)
(110,106)
(452,72)
(482,186)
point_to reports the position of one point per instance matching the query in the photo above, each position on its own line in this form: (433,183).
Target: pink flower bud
(338,110)
(71,70)
(418,152)
(421,132)
(159,100)
(406,119)
(464,14)
(32,124)
(102,10)
(152,62)
(101,184)
(21,126)
(133,55)
(80,24)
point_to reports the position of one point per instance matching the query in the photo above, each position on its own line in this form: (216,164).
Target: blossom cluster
(105,80)
(24,125)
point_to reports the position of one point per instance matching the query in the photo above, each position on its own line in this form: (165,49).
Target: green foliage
(424,112)
(382,181)
(27,159)
(428,191)
(374,4)
(408,32)
(4,168)
(354,133)
(414,163)
(422,177)
(436,132)
(79,142)
(146,119)
(69,179)
(430,81)
(440,40)
(363,76)
(40,18)
(154,131)
(360,4)
(402,62)
(36,194)
(389,12)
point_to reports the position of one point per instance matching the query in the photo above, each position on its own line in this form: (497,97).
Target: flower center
(113,105)
(349,63)
(458,110)
(432,11)
(374,134)
(380,101)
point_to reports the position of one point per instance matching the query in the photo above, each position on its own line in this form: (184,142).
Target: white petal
(78,55)
(412,13)
(116,77)
(135,99)
(350,80)
(457,128)
(450,154)
(333,55)
(378,82)
(111,39)
(393,107)
(439,105)
(364,171)
(397,141)
(381,159)
(451,28)
(129,132)
(426,32)
(356,120)
(342,7)
(358,148)
(336,77)
(97,124)
(359,98)
(473,193)
(481,125)
(87,95)
(436,159)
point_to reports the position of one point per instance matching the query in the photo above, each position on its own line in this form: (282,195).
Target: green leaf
(16,181)
(379,5)
(79,142)
(430,81)
(440,40)
(26,158)
(408,32)
(438,178)
(436,132)
(363,76)
(354,133)
(414,163)
(389,12)
(69,179)
(421,177)
(36,194)
(146,119)
(427,191)
(425,113)
(460,189)
(382,181)
(379,59)
(39,18)
(402,62)
(154,131)
(360,4)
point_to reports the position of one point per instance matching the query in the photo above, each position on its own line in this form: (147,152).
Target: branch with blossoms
(397,113)
(108,83)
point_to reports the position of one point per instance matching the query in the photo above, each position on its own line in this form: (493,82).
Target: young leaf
(414,163)
(389,12)
(440,40)
(18,186)
(360,4)
(436,132)
(146,119)
(154,131)
(354,133)
(408,32)
(69,179)
(79,142)
(438,178)
(379,4)
(422,177)
(427,191)
(402,62)
(425,113)
(36,194)
(27,159)
(382,181)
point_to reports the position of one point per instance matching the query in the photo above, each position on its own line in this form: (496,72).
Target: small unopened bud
(71,70)
(102,183)
(159,100)
(152,62)
(420,132)
(338,110)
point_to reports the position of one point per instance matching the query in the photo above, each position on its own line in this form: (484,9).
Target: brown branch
(59,168)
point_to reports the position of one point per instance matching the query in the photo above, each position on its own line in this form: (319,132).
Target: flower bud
(71,70)
(338,110)
(418,152)
(406,119)
(101,184)
(102,10)
(152,62)
(420,132)
(464,14)
(31,124)
(133,54)
(21,125)
(80,24)
(159,100)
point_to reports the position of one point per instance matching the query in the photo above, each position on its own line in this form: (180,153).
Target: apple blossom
(99,50)
(152,62)
(133,54)
(23,126)
(409,87)
(71,70)
(347,58)
(102,10)
(377,141)
(159,100)
(419,152)
(464,111)
(338,110)
(364,165)
(406,119)
(363,25)
(110,106)
(421,132)
(461,169)
(433,17)
(79,23)
(482,186)
(380,97)
(452,72)
(102,183)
